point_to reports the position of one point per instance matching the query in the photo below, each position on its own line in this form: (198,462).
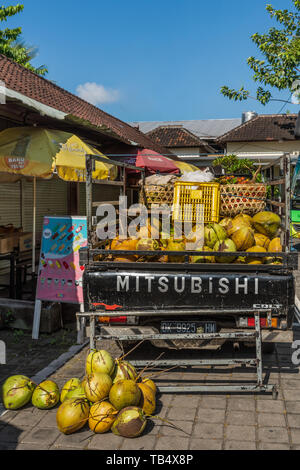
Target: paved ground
(207,421)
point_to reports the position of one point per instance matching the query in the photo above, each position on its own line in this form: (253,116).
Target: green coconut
(210,236)
(124,393)
(78,392)
(69,386)
(72,415)
(130,422)
(202,258)
(100,361)
(176,245)
(17,391)
(266,223)
(225,246)
(124,370)
(45,395)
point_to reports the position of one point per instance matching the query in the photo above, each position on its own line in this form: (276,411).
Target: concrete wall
(264,151)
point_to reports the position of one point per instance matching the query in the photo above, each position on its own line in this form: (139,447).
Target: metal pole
(34,227)
(258,348)
(89,197)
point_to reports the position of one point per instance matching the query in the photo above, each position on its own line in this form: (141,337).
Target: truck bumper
(116,332)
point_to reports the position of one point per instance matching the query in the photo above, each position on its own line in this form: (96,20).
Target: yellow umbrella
(38,152)
(185,167)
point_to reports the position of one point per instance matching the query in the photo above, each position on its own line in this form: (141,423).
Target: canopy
(153,162)
(38,152)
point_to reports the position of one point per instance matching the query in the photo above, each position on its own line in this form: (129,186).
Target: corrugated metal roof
(204,128)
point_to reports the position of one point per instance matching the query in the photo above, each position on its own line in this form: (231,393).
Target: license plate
(186,327)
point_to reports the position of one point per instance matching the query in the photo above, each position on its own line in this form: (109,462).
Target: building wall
(264,151)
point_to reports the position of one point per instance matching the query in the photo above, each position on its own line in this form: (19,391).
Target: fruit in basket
(225,222)
(97,386)
(127,244)
(243,238)
(124,370)
(100,361)
(275,246)
(266,223)
(69,386)
(236,225)
(225,246)
(240,260)
(202,258)
(213,233)
(150,229)
(147,402)
(244,217)
(101,418)
(196,237)
(124,393)
(17,391)
(176,245)
(261,240)
(253,259)
(46,395)
(147,244)
(130,422)
(72,415)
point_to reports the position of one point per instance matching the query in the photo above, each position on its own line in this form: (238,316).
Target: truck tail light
(264,323)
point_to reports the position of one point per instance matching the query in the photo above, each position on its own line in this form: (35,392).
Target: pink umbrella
(152,161)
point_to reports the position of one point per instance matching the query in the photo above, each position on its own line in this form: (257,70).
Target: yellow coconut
(202,258)
(244,217)
(147,403)
(97,386)
(72,415)
(150,383)
(261,240)
(267,223)
(275,246)
(176,245)
(128,244)
(253,259)
(243,238)
(236,225)
(101,418)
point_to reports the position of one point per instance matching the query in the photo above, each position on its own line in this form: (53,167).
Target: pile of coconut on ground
(112,396)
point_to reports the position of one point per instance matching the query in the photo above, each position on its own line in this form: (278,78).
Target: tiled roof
(27,83)
(202,128)
(265,127)
(169,136)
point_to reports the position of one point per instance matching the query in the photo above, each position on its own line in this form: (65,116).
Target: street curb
(52,367)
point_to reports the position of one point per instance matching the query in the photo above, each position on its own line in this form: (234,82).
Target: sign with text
(60,274)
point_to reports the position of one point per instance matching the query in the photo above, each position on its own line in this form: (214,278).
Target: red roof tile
(266,127)
(24,81)
(175,136)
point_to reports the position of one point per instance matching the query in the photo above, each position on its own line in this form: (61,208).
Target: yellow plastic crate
(196,202)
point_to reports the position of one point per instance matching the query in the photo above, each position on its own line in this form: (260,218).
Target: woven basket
(242,198)
(157,194)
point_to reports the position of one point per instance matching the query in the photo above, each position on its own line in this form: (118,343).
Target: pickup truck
(188,305)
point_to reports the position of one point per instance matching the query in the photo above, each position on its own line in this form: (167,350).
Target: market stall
(32,154)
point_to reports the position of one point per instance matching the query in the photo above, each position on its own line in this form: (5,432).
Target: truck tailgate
(129,290)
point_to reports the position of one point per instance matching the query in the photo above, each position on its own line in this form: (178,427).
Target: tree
(279,66)
(11,44)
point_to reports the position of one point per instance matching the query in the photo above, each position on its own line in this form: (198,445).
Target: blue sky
(150,59)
